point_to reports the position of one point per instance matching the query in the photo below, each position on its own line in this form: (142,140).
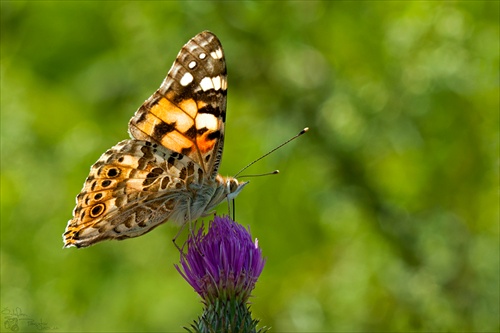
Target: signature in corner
(15,318)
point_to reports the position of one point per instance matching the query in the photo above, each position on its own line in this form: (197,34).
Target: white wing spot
(206,120)
(216,82)
(206,84)
(202,56)
(217,54)
(186,79)
(192,64)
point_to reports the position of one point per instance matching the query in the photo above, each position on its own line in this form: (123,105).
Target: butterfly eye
(231,185)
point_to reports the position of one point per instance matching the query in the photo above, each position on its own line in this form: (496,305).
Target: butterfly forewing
(168,170)
(187,113)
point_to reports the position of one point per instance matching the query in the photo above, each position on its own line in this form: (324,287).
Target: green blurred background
(385,216)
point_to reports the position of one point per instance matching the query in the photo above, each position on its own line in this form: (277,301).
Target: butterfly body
(168,171)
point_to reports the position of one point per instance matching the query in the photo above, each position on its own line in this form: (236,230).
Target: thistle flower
(223,266)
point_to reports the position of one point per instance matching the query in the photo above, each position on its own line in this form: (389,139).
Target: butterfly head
(233,187)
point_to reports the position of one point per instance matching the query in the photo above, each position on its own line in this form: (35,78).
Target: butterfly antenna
(271,151)
(275,172)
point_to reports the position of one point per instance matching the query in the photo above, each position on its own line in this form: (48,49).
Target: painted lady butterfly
(168,170)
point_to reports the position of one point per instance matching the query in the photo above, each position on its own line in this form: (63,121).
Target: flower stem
(226,316)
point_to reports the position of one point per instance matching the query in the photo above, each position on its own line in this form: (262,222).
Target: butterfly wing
(187,113)
(168,171)
(132,188)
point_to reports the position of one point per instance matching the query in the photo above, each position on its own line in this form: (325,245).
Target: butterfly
(168,170)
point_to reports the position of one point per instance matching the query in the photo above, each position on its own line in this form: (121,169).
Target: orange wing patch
(171,114)
(205,143)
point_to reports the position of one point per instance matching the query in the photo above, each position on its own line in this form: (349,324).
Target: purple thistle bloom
(224,264)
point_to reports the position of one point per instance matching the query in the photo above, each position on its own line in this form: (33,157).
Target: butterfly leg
(187,221)
(177,236)
(229,201)
(234,210)
(192,227)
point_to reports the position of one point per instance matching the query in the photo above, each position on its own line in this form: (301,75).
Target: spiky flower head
(223,263)
(223,266)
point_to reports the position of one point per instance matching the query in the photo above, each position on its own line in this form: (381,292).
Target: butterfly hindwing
(131,189)
(187,113)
